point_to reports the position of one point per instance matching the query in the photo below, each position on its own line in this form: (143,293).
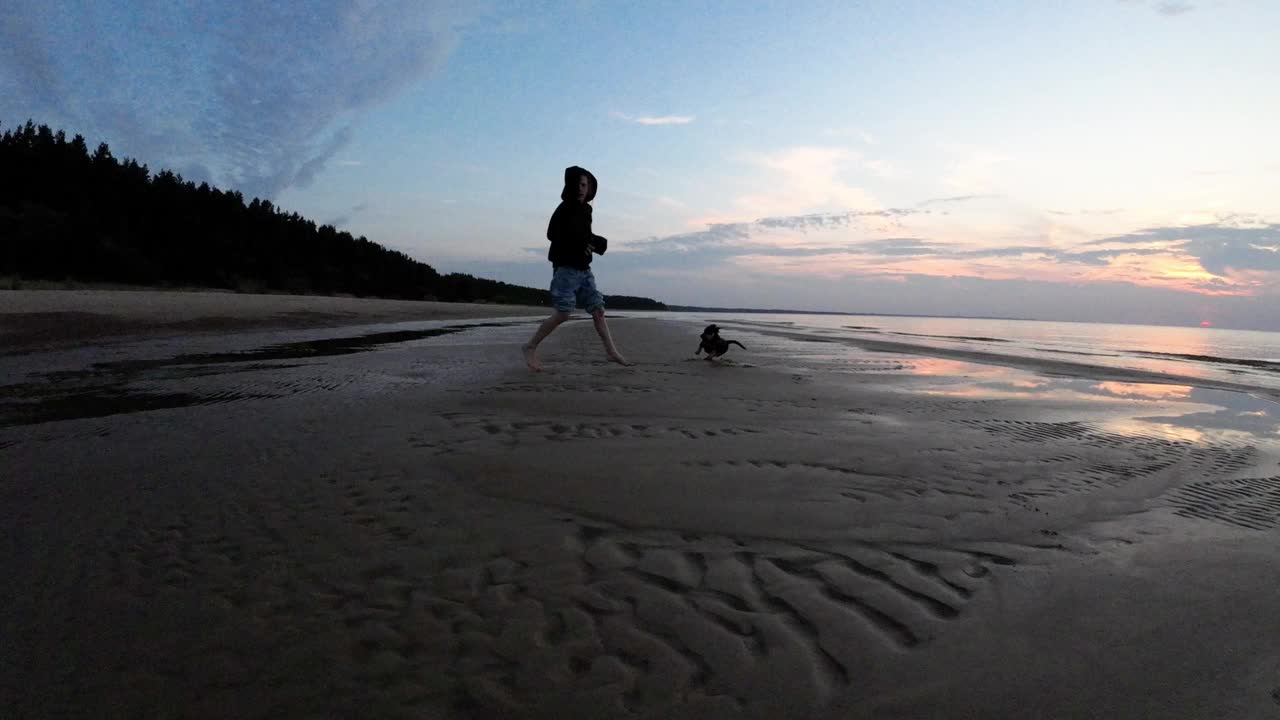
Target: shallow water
(1244,357)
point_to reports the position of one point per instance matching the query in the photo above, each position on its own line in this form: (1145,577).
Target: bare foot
(620,360)
(531,358)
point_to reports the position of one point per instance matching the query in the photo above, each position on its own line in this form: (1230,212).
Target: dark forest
(74,215)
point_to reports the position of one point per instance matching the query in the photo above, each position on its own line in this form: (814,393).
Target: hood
(571,175)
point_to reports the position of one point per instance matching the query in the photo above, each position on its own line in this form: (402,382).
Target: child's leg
(602,329)
(595,305)
(564,282)
(531,348)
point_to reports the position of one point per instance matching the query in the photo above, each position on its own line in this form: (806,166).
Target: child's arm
(598,244)
(555,227)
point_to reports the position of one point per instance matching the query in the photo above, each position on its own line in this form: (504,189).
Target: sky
(1099,160)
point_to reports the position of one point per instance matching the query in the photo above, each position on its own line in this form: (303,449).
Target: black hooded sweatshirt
(570,228)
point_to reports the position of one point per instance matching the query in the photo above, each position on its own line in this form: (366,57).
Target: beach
(286,507)
(49,319)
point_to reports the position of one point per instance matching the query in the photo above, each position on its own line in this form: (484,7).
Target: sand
(49,319)
(424,528)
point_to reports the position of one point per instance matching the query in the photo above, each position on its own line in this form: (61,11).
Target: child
(572,243)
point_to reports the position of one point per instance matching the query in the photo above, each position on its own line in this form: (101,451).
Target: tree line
(70,214)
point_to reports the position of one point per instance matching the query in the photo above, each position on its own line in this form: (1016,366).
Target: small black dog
(714,344)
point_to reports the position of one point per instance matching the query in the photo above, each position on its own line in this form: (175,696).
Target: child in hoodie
(572,244)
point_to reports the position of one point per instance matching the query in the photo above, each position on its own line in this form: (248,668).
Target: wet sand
(310,524)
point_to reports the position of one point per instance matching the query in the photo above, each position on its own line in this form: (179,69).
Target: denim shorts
(569,285)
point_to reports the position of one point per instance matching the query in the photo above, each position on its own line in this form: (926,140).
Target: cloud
(955,199)
(1168,8)
(883,168)
(1218,247)
(345,218)
(307,172)
(1216,284)
(258,96)
(859,133)
(861,243)
(793,180)
(731,240)
(655,120)
(1172,7)
(1104,257)
(716,234)
(1006,251)
(901,246)
(972,170)
(828,221)
(789,236)
(27,58)
(1108,211)
(722,234)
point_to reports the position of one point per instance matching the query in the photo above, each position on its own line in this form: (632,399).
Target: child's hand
(590,249)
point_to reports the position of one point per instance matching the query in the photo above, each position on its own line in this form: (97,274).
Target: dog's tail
(735,342)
